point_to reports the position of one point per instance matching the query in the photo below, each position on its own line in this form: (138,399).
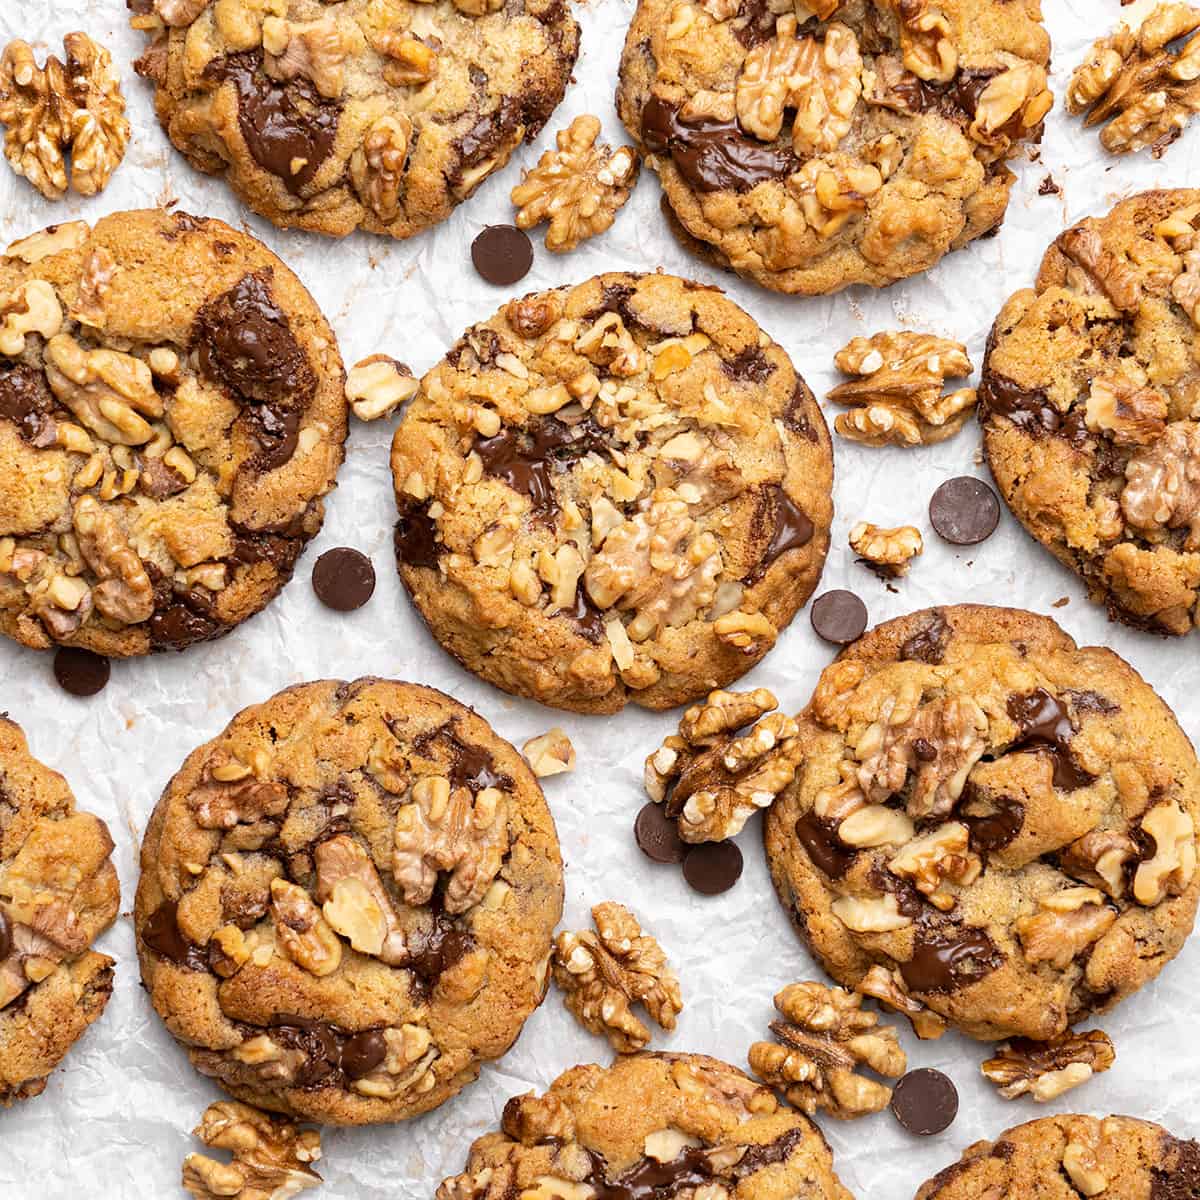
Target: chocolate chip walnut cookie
(347,900)
(651,1125)
(814,144)
(1066,1157)
(612,492)
(331,115)
(1089,402)
(171,416)
(58,893)
(989,824)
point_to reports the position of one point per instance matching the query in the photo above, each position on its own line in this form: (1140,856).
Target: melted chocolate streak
(1046,726)
(791,529)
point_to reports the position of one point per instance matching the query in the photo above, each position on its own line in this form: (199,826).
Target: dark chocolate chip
(925,1102)
(839,617)
(363,1053)
(658,836)
(502,254)
(5,936)
(343,579)
(713,867)
(80,672)
(964,511)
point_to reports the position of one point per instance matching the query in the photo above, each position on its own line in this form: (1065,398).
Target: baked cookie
(992,823)
(1068,1156)
(611,492)
(171,415)
(333,115)
(1090,392)
(650,1125)
(817,144)
(58,893)
(347,900)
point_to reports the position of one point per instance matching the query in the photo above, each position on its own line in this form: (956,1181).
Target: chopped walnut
(925,42)
(1010,107)
(1081,1158)
(1100,857)
(124,592)
(379,385)
(889,988)
(887,551)
(1173,866)
(411,61)
(271,1157)
(603,974)
(551,753)
(531,1118)
(1096,268)
(1045,1070)
(109,392)
(1123,405)
(302,932)
(377,166)
(898,397)
(70,235)
(355,902)
(578,188)
(32,308)
(821,1045)
(98,270)
(830,194)
(315,50)
(1068,922)
(1162,483)
(406,1065)
(936,858)
(230,795)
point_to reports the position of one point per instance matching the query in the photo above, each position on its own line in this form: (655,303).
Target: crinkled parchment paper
(116,1117)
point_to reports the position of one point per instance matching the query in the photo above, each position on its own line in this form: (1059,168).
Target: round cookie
(1088,403)
(1065,1157)
(611,492)
(999,826)
(58,893)
(840,143)
(651,1124)
(171,414)
(347,900)
(333,115)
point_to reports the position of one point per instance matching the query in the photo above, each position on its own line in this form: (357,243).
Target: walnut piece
(379,385)
(271,1157)
(888,552)
(124,592)
(355,902)
(889,988)
(315,50)
(824,1041)
(1097,269)
(936,858)
(1068,922)
(578,188)
(603,974)
(1011,106)
(405,1067)
(1045,1070)
(1173,866)
(1123,405)
(231,794)
(302,932)
(898,397)
(1162,483)
(928,50)
(32,308)
(550,753)
(377,166)
(1081,1158)
(1099,857)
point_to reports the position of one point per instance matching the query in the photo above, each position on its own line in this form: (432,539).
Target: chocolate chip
(925,1101)
(658,836)
(80,672)
(713,867)
(5,936)
(343,579)
(964,511)
(502,254)
(839,617)
(363,1053)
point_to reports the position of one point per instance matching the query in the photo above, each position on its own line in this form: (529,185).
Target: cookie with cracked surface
(613,492)
(999,822)
(650,1125)
(346,114)
(172,414)
(1069,1156)
(347,900)
(822,144)
(1087,401)
(58,893)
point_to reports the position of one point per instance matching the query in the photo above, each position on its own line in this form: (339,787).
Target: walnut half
(1045,1070)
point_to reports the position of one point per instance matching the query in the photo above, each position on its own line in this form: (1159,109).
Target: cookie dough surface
(1090,394)
(611,492)
(171,416)
(661,1124)
(1001,820)
(347,900)
(58,893)
(331,116)
(1065,1157)
(857,145)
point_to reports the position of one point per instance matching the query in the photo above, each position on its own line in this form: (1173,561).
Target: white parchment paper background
(116,1117)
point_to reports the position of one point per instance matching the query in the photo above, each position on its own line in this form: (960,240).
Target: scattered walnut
(1162,483)
(355,902)
(887,551)
(603,974)
(1173,866)
(315,50)
(898,396)
(578,188)
(1069,922)
(378,385)
(551,753)
(125,592)
(302,932)
(1045,1070)
(824,1041)
(377,166)
(888,987)
(936,858)
(271,1157)
(1013,104)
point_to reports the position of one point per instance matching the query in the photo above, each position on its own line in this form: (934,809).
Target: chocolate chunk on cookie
(1002,822)
(58,893)
(613,492)
(347,900)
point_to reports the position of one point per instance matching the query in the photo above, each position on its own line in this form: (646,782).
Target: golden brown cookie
(994,824)
(58,893)
(379,114)
(171,416)
(1088,402)
(1069,1156)
(613,492)
(347,899)
(821,144)
(651,1124)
